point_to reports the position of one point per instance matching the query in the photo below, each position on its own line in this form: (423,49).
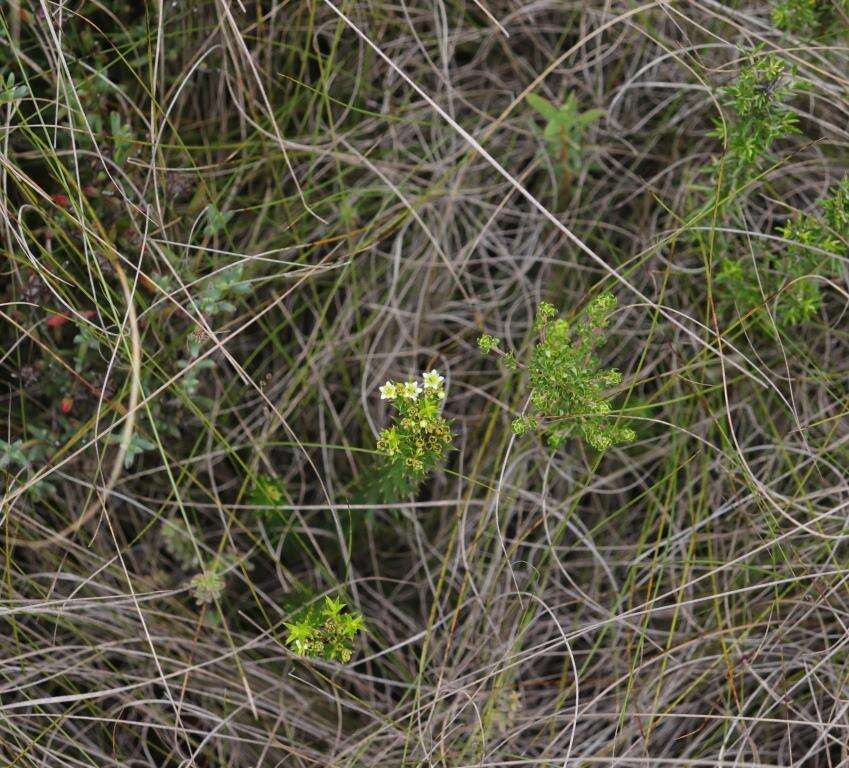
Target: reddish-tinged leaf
(54,321)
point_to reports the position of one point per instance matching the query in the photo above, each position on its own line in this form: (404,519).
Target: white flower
(411,390)
(432,380)
(388,391)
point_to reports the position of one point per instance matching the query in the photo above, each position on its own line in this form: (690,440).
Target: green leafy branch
(569,387)
(810,18)
(759,115)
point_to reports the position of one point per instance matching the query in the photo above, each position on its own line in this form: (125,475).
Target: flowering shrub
(419,436)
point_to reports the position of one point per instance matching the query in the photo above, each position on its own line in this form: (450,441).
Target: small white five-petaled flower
(432,380)
(388,391)
(411,390)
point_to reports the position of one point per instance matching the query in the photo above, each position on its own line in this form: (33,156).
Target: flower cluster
(419,435)
(411,390)
(325,632)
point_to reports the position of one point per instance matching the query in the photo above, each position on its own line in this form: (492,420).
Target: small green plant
(738,284)
(191,380)
(565,128)
(798,296)
(216,295)
(809,18)
(419,436)
(268,494)
(267,491)
(814,240)
(25,456)
(790,280)
(568,384)
(208,585)
(325,632)
(135,447)
(123,140)
(506,710)
(216,220)
(178,541)
(487,343)
(85,340)
(759,115)
(757,118)
(9,91)
(836,213)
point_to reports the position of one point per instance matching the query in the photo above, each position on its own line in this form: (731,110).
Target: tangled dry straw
(227,223)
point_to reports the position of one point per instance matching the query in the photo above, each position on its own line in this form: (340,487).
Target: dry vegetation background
(224,224)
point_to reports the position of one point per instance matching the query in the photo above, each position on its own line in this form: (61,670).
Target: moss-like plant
(569,387)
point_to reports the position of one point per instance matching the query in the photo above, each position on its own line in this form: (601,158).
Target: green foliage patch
(759,114)
(325,631)
(569,386)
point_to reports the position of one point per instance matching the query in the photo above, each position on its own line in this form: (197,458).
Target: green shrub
(809,18)
(790,281)
(568,385)
(758,114)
